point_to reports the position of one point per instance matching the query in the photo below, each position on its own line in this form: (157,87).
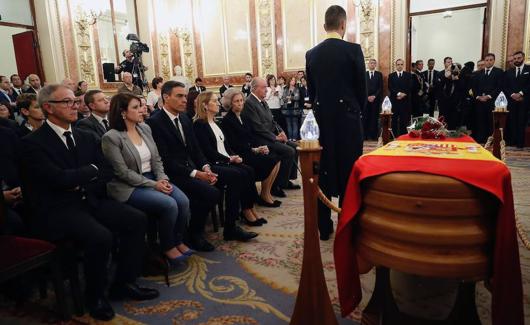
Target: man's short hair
(198,80)
(334,16)
(419,61)
(490,55)
(248,74)
(430,60)
(14,74)
(372,60)
(46,92)
(447,58)
(399,60)
(254,82)
(25,100)
(519,52)
(89,96)
(168,86)
(480,61)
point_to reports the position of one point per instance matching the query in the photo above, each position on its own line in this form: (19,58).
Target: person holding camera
(132,65)
(449,92)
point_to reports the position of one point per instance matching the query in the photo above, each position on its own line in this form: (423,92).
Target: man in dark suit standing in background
(399,86)
(68,176)
(488,85)
(429,76)
(225,86)
(336,76)
(517,88)
(418,90)
(374,83)
(193,92)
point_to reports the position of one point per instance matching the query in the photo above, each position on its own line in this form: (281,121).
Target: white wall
(425,5)
(459,36)
(16,11)
(8,64)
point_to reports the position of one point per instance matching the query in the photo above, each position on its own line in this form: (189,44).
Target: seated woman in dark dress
(239,138)
(211,140)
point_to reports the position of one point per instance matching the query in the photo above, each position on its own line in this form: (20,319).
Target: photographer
(132,65)
(451,93)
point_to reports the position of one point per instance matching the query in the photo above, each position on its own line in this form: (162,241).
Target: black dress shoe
(238,234)
(132,291)
(292,186)
(264,203)
(100,309)
(278,192)
(324,236)
(198,243)
(262,220)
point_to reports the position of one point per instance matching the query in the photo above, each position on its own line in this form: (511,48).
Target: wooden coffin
(426,225)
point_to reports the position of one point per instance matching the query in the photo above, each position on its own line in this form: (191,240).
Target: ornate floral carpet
(256,282)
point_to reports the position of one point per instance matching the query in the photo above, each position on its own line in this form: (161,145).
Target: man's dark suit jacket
(400,85)
(29,90)
(8,123)
(375,85)
(9,155)
(179,159)
(223,88)
(59,178)
(489,85)
(425,75)
(515,85)
(336,82)
(259,118)
(91,124)
(208,143)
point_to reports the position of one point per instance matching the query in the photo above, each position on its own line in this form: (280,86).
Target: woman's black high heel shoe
(255,223)
(264,203)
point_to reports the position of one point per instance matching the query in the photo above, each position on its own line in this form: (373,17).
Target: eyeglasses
(67,102)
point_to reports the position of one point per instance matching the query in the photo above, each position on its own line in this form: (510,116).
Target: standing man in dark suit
(225,86)
(399,86)
(67,176)
(99,105)
(374,83)
(517,88)
(429,76)
(419,90)
(266,131)
(245,89)
(336,76)
(488,85)
(193,92)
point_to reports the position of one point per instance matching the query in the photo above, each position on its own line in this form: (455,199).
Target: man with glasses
(99,105)
(68,176)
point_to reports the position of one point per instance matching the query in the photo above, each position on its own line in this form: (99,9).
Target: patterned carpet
(256,283)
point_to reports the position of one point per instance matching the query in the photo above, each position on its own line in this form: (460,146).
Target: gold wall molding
(61,36)
(84,39)
(500,11)
(526,44)
(398,31)
(368,16)
(266,55)
(164,58)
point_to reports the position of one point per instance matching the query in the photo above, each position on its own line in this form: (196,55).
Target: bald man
(128,86)
(34,84)
(70,84)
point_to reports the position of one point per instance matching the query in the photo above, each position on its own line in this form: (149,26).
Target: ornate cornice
(368,16)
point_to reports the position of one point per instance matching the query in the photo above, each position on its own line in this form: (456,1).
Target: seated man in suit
(99,105)
(259,117)
(65,179)
(34,84)
(187,167)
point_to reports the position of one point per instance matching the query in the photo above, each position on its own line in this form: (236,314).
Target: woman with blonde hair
(240,139)
(212,142)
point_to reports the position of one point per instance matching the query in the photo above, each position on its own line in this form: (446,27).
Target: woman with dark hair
(154,94)
(239,137)
(139,178)
(82,86)
(211,140)
(31,112)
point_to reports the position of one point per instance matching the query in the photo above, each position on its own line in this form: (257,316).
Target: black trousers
(401,117)
(483,120)
(289,161)
(239,181)
(517,121)
(203,197)
(92,228)
(371,119)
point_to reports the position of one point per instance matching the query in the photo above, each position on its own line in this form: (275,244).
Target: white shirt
(219,138)
(60,131)
(273,100)
(100,119)
(152,98)
(145,156)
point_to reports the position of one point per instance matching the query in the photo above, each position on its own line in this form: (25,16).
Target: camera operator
(128,65)
(451,93)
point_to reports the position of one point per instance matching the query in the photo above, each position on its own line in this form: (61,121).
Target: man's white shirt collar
(60,131)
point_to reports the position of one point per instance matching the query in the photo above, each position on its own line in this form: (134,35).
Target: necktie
(430,77)
(517,72)
(371,74)
(106,123)
(487,72)
(399,75)
(69,141)
(180,134)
